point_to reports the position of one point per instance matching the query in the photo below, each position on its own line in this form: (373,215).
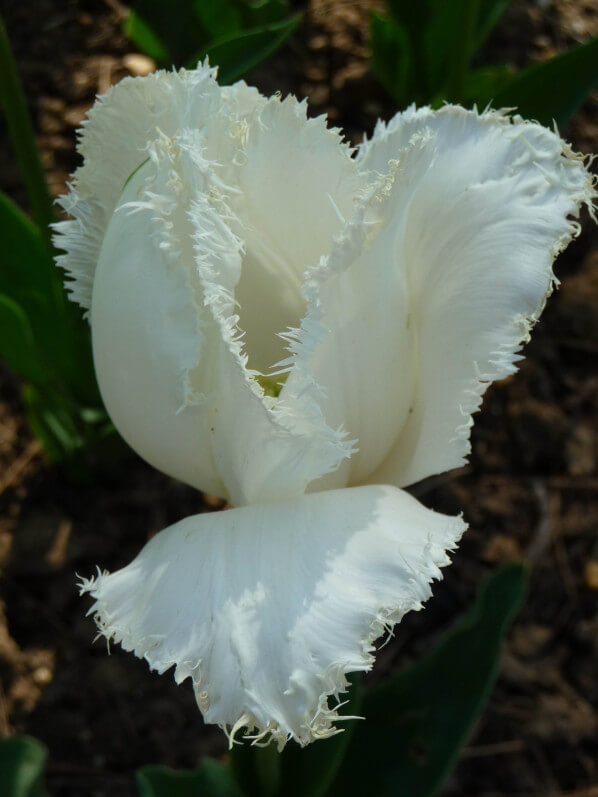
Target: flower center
(270,302)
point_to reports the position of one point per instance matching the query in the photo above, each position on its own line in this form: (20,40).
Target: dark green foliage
(22,762)
(555,89)
(422,53)
(238,55)
(211,779)
(42,335)
(235,35)
(418,722)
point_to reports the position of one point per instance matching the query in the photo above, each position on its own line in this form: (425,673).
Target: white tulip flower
(303,330)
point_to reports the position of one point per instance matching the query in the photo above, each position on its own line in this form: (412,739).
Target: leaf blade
(556,88)
(239,54)
(17,344)
(22,762)
(418,722)
(211,779)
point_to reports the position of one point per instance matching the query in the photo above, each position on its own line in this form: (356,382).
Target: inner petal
(294,182)
(269,301)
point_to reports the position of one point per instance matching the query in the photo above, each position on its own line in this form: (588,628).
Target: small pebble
(138,64)
(591,574)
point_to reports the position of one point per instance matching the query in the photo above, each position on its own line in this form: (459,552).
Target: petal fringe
(268,607)
(489,209)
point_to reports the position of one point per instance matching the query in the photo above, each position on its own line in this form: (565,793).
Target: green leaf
(26,263)
(554,89)
(438,36)
(263,12)
(169,31)
(29,276)
(417,722)
(391,56)
(482,85)
(17,345)
(22,761)
(145,37)
(257,769)
(220,19)
(22,138)
(211,779)
(238,55)
(489,13)
(53,422)
(449,47)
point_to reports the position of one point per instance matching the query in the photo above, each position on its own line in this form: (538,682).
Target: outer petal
(114,142)
(366,360)
(489,209)
(267,608)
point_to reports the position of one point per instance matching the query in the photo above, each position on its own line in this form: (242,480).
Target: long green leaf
(22,138)
(29,277)
(220,19)
(236,56)
(392,56)
(53,422)
(489,13)
(554,89)
(212,779)
(417,723)
(169,31)
(257,13)
(17,345)
(22,761)
(257,770)
(25,261)
(483,84)
(140,31)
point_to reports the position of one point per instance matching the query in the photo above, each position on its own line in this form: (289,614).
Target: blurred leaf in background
(419,721)
(423,53)
(235,35)
(22,762)
(42,336)
(211,779)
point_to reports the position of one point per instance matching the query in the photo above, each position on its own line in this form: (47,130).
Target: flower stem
(267,765)
(256,769)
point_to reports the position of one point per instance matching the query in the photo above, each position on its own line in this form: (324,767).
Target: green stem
(267,765)
(463,51)
(22,137)
(257,769)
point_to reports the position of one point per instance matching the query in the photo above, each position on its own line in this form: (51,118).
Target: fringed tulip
(304,330)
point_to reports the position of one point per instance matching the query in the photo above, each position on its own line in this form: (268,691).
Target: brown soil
(530,492)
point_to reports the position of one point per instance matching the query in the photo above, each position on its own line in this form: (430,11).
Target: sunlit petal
(167,348)
(268,607)
(489,210)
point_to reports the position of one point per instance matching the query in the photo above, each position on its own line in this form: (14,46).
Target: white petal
(267,607)
(114,142)
(296,180)
(147,337)
(168,356)
(489,208)
(366,361)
